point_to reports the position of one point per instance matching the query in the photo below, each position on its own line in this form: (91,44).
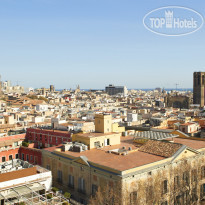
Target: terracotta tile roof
(194,144)
(13,137)
(160,148)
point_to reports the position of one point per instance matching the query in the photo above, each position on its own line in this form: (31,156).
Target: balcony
(71,186)
(81,191)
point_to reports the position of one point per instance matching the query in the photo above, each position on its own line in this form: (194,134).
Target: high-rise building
(114,90)
(199,88)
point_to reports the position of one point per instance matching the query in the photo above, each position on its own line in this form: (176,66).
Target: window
(185,197)
(176,182)
(27,158)
(97,144)
(203,172)
(60,176)
(3,159)
(81,185)
(22,156)
(194,175)
(186,177)
(133,197)
(31,158)
(149,193)
(48,167)
(165,186)
(71,181)
(40,137)
(94,189)
(194,195)
(83,201)
(108,141)
(202,190)
(17,156)
(10,157)
(35,160)
(178,200)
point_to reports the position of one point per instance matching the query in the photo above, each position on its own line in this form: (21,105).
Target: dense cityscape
(102,102)
(110,146)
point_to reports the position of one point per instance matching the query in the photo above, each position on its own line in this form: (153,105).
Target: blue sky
(94,43)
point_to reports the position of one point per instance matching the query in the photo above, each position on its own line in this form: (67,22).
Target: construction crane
(176,86)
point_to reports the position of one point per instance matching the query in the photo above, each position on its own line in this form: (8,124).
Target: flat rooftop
(49,130)
(192,143)
(18,164)
(14,165)
(95,134)
(134,158)
(137,154)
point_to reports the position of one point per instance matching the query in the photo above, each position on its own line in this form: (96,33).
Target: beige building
(103,123)
(117,128)
(171,171)
(9,119)
(97,140)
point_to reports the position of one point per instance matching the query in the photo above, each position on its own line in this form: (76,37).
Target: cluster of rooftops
(131,153)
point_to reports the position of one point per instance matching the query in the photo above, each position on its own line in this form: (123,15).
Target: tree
(110,196)
(180,182)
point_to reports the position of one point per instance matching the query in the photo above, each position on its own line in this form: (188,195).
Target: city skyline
(93,44)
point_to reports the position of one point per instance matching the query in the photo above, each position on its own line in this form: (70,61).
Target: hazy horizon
(94,43)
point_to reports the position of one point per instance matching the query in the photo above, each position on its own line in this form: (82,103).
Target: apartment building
(47,138)
(9,147)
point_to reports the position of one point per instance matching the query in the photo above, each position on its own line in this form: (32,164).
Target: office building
(114,90)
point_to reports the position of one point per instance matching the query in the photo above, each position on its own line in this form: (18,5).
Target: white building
(19,179)
(132,116)
(41,108)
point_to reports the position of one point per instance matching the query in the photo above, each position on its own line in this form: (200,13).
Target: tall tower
(52,88)
(199,88)
(0,86)
(103,123)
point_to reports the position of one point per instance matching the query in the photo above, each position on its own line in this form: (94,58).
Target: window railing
(60,180)
(71,186)
(82,191)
